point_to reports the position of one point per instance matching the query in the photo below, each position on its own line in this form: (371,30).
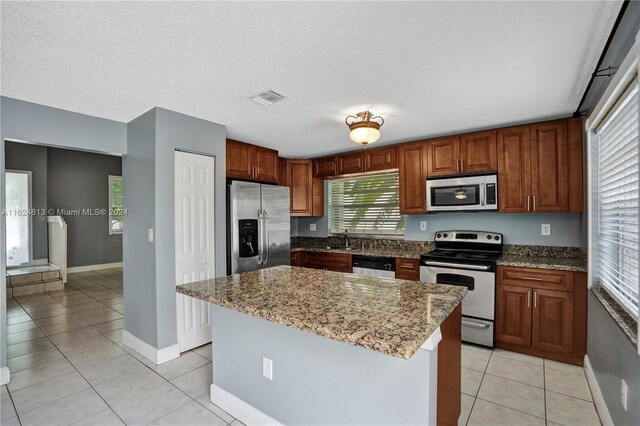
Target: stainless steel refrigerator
(258,226)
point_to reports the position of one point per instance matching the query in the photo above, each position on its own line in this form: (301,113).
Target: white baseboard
(87,268)
(239,409)
(5,375)
(157,356)
(598,399)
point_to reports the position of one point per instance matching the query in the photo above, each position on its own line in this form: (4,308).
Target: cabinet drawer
(407,269)
(535,278)
(338,262)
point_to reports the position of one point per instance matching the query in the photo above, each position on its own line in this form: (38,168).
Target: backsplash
(368,244)
(542,251)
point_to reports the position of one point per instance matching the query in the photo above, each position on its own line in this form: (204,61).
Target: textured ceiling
(429,68)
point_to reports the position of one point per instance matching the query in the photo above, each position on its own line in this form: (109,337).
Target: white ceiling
(429,68)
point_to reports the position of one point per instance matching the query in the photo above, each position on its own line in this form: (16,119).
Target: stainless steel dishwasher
(378,266)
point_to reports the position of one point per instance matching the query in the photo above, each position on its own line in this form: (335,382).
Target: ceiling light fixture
(362,130)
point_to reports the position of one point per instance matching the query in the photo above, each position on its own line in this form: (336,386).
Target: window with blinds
(617,201)
(365,205)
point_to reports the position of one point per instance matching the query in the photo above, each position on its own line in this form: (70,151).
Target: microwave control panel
(491,193)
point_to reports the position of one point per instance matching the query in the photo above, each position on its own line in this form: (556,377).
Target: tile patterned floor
(69,366)
(507,388)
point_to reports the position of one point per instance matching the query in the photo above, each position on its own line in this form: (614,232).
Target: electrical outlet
(150,235)
(423,225)
(623,394)
(312,227)
(545,229)
(267,368)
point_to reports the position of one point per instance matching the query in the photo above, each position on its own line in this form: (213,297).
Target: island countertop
(394,317)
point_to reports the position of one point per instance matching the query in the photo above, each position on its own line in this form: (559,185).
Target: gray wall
(317,380)
(613,357)
(152,139)
(80,180)
(138,170)
(517,228)
(26,121)
(21,156)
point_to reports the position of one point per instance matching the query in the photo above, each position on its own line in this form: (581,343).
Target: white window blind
(618,200)
(365,205)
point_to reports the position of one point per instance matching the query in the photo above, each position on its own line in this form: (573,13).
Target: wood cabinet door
(239,160)
(444,156)
(513,315)
(552,321)
(300,180)
(412,162)
(350,163)
(266,164)
(478,152)
(407,269)
(380,159)
(514,170)
(549,167)
(282,171)
(324,167)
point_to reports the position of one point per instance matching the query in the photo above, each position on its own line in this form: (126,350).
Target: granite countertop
(377,251)
(575,264)
(394,317)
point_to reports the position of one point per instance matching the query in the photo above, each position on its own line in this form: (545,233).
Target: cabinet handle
(528,203)
(532,278)
(462,165)
(535,299)
(458,165)
(534,203)
(528,298)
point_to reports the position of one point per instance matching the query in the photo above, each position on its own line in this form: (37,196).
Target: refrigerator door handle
(260,238)
(265,217)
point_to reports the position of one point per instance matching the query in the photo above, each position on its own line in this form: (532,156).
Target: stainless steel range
(467,258)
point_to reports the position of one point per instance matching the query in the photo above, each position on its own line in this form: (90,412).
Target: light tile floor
(508,388)
(69,366)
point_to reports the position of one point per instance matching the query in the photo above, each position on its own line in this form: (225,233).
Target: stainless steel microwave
(473,193)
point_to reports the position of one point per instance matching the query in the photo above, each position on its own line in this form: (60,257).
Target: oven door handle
(458,265)
(474,324)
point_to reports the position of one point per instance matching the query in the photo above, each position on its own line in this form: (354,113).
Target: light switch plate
(423,225)
(150,235)
(312,227)
(545,229)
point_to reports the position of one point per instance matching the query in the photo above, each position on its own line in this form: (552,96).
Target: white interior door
(195,257)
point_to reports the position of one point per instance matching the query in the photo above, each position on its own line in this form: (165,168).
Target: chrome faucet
(346,239)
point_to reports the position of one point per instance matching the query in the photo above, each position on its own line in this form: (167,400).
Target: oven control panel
(469,237)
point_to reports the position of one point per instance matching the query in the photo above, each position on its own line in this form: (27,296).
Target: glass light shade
(363,135)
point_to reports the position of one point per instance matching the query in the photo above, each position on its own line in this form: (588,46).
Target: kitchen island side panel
(317,380)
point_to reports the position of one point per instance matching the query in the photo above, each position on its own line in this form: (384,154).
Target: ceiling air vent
(268,98)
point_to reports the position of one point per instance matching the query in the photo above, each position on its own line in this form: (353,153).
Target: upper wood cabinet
(251,162)
(379,159)
(536,167)
(478,152)
(470,153)
(324,167)
(350,163)
(444,156)
(412,164)
(282,171)
(306,193)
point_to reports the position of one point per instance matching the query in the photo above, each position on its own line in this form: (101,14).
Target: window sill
(625,322)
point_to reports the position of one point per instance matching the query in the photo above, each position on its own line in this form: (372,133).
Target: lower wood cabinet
(542,313)
(407,269)
(296,258)
(338,262)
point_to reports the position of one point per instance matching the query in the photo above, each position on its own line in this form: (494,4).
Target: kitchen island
(345,348)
